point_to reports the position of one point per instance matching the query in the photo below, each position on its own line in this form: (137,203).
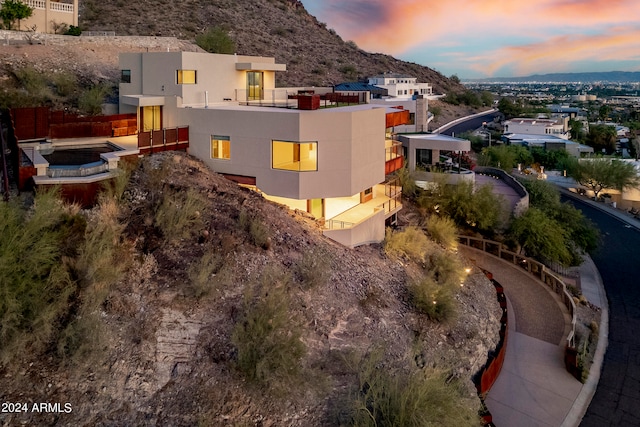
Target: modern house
(400,85)
(330,162)
(404,92)
(48,14)
(558,127)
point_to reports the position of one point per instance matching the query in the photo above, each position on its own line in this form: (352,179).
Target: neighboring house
(47,14)
(431,157)
(561,111)
(558,127)
(548,142)
(328,162)
(400,85)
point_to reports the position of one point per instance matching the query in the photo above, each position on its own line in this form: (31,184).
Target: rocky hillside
(314,54)
(168,343)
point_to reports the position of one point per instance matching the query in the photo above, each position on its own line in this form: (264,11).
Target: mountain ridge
(314,54)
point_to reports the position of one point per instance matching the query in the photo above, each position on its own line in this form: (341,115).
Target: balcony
(394,159)
(302,98)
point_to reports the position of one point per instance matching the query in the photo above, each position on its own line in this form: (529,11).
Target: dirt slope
(167,357)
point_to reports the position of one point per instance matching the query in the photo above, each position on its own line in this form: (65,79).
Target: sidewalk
(534,387)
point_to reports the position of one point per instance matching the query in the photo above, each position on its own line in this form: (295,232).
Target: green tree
(604,112)
(505,156)
(601,174)
(577,130)
(540,236)
(487,98)
(479,210)
(581,235)
(12,11)
(550,159)
(216,40)
(602,137)
(509,108)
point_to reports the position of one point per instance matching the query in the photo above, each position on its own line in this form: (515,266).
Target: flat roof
(260,66)
(436,141)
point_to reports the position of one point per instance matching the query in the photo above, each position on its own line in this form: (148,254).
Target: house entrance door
(255,85)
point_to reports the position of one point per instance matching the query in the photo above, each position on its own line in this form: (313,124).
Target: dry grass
(268,335)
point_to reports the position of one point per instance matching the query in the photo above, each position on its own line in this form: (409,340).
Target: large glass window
(125,76)
(423,157)
(151,118)
(294,156)
(220,147)
(186,77)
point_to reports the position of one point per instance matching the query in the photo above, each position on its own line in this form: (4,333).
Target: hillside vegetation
(183,299)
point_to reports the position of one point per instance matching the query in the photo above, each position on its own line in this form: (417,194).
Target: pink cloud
(560,52)
(394,27)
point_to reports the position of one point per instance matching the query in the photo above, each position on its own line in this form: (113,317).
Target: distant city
(632,78)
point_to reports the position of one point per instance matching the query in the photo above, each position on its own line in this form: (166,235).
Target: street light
(484,132)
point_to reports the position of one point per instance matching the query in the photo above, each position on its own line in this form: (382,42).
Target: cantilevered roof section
(435,141)
(142,100)
(260,66)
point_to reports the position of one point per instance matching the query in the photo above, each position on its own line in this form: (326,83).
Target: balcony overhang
(260,66)
(435,141)
(142,100)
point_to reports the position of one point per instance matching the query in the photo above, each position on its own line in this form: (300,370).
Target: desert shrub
(267,335)
(202,273)
(65,83)
(388,398)
(99,264)
(115,187)
(410,242)
(34,284)
(443,230)
(179,214)
(90,101)
(34,83)
(432,299)
(314,268)
(80,338)
(407,182)
(216,40)
(446,268)
(73,31)
(434,293)
(258,232)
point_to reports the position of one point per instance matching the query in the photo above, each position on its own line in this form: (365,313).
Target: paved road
(469,125)
(617,399)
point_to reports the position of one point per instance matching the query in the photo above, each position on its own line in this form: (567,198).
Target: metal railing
(333,224)
(534,268)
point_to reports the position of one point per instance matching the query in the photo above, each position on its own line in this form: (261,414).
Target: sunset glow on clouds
(475,38)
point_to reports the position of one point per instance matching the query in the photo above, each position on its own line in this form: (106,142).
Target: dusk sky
(482,38)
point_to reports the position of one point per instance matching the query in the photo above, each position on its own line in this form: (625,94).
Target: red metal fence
(41,122)
(169,139)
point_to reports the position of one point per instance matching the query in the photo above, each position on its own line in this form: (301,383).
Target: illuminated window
(186,77)
(220,147)
(294,156)
(125,76)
